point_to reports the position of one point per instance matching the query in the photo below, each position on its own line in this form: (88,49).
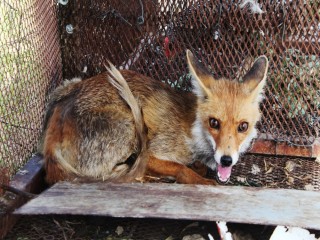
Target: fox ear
(255,78)
(200,76)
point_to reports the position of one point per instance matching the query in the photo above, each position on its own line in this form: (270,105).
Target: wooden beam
(29,179)
(177,201)
(264,144)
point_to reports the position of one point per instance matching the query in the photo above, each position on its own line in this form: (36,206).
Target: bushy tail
(118,81)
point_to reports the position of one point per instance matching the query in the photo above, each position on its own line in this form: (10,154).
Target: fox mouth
(223,173)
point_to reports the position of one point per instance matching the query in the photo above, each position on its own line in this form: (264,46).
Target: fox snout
(226,161)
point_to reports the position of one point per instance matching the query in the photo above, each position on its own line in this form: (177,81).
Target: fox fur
(118,124)
(82,128)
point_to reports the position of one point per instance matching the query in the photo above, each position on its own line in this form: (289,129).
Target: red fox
(119,124)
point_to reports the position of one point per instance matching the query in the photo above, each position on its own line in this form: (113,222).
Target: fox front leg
(180,172)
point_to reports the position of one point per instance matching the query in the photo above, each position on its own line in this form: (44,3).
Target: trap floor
(104,228)
(75,227)
(252,170)
(276,172)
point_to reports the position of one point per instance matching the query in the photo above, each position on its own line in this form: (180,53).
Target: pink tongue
(224,173)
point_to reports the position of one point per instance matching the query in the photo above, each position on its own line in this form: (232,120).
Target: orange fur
(182,173)
(55,135)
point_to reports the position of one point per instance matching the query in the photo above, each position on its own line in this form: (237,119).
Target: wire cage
(42,43)
(30,68)
(151,37)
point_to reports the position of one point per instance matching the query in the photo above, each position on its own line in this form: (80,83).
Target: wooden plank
(264,144)
(178,201)
(284,149)
(29,179)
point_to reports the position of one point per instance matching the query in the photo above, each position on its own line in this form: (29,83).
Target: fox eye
(214,123)
(243,126)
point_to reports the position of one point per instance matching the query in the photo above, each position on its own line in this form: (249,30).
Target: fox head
(227,112)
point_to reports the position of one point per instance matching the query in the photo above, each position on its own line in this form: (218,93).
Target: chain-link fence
(151,37)
(30,67)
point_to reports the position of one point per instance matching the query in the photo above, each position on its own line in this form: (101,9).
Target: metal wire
(224,36)
(30,67)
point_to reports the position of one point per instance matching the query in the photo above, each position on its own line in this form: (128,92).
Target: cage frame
(265,144)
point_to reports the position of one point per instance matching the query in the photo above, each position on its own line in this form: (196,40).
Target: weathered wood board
(177,201)
(29,179)
(266,144)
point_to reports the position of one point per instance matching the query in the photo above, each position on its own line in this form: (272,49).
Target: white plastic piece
(224,232)
(292,233)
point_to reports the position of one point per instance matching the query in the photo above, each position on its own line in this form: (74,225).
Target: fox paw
(188,176)
(209,182)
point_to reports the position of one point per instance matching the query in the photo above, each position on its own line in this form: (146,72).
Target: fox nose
(226,161)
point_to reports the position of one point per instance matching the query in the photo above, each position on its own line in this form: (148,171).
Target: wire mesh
(277,172)
(30,67)
(81,228)
(151,36)
(68,227)
(269,172)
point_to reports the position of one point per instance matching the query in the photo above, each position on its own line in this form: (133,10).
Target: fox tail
(118,81)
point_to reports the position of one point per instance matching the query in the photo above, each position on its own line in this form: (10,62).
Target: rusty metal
(277,172)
